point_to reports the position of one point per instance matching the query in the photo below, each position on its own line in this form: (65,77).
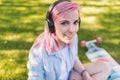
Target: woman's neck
(60,44)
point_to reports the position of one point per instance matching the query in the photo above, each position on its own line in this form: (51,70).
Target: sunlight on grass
(47,1)
(13,63)
(16,37)
(35,16)
(0,1)
(93,23)
(31,18)
(93,10)
(21,8)
(19,70)
(90,20)
(113,41)
(15,51)
(101,2)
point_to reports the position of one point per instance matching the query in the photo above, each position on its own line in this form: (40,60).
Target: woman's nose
(72,28)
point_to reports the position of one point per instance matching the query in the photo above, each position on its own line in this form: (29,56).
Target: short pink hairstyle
(48,40)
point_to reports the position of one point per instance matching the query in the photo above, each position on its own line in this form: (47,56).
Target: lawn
(21,21)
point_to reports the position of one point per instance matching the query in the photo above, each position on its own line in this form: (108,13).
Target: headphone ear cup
(49,16)
(51,25)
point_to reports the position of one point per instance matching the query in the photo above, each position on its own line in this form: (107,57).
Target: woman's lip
(69,36)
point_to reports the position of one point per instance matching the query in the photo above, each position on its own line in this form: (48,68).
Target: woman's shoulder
(38,51)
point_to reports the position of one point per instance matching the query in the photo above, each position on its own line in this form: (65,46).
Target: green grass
(21,21)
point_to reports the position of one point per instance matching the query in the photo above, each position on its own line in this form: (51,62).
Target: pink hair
(63,8)
(47,39)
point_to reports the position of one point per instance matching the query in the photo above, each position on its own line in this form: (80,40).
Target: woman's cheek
(77,28)
(64,29)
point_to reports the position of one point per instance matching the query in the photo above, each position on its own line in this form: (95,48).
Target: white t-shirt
(65,62)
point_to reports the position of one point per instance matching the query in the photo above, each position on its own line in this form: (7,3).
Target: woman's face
(67,26)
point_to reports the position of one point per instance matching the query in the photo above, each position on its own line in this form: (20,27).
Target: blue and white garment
(64,74)
(47,66)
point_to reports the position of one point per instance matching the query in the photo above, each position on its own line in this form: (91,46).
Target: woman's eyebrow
(69,21)
(64,21)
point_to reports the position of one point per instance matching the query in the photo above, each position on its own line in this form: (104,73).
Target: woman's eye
(76,22)
(64,23)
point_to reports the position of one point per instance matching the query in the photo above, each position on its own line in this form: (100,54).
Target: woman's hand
(86,76)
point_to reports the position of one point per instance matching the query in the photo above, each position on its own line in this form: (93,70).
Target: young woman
(53,56)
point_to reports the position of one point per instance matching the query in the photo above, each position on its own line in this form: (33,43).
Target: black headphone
(49,19)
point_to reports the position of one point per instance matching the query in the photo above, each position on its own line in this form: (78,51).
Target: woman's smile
(69,36)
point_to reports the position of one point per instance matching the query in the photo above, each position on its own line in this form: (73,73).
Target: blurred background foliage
(21,21)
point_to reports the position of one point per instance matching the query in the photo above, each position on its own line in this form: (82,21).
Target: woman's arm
(35,66)
(79,68)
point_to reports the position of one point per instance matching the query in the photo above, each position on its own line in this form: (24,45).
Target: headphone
(49,19)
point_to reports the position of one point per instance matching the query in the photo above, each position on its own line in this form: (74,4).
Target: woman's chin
(68,41)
